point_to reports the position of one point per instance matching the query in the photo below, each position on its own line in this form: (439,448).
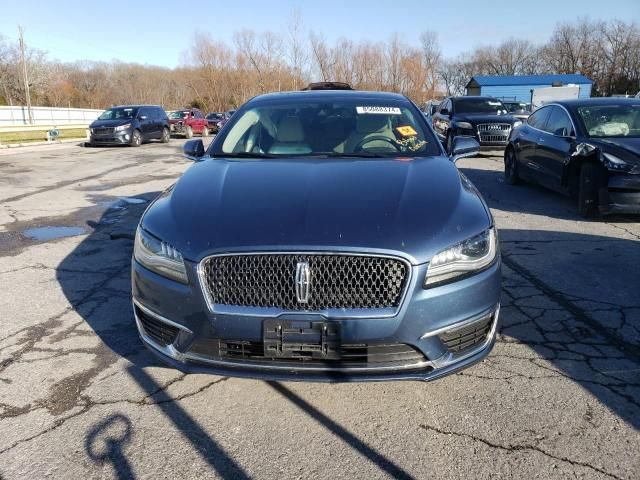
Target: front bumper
(426,322)
(115,138)
(621,195)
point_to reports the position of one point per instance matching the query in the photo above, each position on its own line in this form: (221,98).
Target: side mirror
(143,117)
(464,147)
(194,149)
(444,111)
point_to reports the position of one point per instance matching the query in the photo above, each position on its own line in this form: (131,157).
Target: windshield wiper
(357,155)
(247,155)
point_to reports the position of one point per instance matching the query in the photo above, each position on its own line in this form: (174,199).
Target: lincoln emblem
(303,282)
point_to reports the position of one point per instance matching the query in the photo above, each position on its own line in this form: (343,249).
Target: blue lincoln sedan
(323,235)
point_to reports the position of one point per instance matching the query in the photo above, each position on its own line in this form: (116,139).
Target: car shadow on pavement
(529,198)
(382,462)
(568,339)
(95,278)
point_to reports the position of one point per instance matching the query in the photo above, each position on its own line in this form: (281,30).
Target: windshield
(178,115)
(489,106)
(357,127)
(621,120)
(516,106)
(215,116)
(119,113)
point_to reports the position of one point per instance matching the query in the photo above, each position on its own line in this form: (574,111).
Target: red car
(187,122)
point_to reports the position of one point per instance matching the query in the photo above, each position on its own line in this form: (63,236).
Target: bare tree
(297,53)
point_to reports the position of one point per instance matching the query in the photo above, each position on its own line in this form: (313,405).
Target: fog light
(126,136)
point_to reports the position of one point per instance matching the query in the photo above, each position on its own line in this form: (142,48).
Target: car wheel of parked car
(511,167)
(588,190)
(166,135)
(188,133)
(136,138)
(205,132)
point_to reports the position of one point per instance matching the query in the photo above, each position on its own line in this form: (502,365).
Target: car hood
(410,207)
(626,148)
(109,123)
(475,119)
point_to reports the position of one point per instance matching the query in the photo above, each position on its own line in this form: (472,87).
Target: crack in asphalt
(87,406)
(66,183)
(629,349)
(516,448)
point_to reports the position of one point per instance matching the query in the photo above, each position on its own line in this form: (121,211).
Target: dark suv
(130,125)
(483,118)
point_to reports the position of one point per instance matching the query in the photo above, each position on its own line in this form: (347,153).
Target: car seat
(290,138)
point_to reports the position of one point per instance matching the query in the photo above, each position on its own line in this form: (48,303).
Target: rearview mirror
(194,149)
(464,147)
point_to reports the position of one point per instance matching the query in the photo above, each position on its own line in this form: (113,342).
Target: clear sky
(158,32)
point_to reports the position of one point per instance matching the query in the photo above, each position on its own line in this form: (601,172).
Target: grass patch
(39,135)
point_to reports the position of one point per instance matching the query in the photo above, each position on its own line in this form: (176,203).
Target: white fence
(17,116)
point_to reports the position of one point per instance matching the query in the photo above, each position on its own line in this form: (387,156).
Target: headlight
(159,256)
(615,163)
(517,123)
(472,255)
(126,126)
(464,125)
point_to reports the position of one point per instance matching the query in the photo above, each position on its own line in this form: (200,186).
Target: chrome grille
(336,281)
(494,132)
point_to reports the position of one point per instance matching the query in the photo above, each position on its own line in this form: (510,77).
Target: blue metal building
(518,87)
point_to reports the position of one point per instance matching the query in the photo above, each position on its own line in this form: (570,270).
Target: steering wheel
(382,138)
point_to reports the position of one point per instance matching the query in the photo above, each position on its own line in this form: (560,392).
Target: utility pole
(25,74)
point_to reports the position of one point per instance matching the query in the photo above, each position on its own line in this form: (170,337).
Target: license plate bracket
(301,339)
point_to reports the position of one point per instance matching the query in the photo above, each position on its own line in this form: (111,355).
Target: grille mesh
(494,132)
(103,131)
(337,281)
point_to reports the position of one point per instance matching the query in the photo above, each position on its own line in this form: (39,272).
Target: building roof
(499,80)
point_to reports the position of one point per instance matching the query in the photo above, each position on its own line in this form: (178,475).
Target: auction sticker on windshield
(406,131)
(380,110)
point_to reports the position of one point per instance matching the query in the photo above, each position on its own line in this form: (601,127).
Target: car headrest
(372,123)
(290,130)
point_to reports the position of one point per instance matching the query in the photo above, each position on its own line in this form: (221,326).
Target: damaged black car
(586,148)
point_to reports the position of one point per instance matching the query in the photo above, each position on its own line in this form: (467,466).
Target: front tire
(166,135)
(588,190)
(511,167)
(136,138)
(188,133)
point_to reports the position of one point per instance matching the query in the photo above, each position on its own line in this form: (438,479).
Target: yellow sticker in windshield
(406,131)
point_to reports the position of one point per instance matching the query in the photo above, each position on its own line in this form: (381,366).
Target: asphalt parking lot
(559,396)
